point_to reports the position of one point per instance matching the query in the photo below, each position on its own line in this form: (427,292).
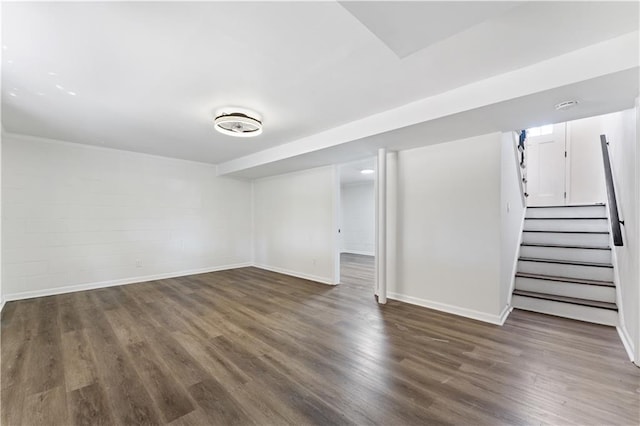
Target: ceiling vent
(238,123)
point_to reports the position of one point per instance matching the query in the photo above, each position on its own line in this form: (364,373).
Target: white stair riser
(566,310)
(578,291)
(587,211)
(566,225)
(597,240)
(572,254)
(566,271)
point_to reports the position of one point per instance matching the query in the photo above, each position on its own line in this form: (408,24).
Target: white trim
(616,276)
(456,310)
(567,163)
(4,301)
(514,268)
(112,283)
(335,223)
(323,280)
(253,222)
(505,314)
(360,252)
(626,341)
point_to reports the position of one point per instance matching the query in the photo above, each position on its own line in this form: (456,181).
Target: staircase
(565,266)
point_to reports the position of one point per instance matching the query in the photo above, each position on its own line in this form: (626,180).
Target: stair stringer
(627,342)
(516,256)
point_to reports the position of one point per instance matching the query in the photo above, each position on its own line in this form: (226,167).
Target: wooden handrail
(616,231)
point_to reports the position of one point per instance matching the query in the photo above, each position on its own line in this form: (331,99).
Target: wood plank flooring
(248,346)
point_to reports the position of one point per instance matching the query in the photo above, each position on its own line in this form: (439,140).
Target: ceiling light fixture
(367,171)
(566,105)
(238,122)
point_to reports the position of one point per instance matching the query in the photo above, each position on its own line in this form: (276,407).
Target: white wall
(2,299)
(585,175)
(296,223)
(449,227)
(357,224)
(620,129)
(512,210)
(637,336)
(75,215)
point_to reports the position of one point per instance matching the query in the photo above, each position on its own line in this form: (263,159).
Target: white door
(546,165)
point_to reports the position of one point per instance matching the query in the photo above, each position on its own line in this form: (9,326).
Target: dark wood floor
(253,347)
(357,271)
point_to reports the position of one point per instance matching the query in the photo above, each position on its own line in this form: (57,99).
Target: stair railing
(616,231)
(520,139)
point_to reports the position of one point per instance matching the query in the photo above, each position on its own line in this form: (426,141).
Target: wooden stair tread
(566,246)
(558,207)
(566,262)
(568,232)
(565,279)
(565,218)
(564,299)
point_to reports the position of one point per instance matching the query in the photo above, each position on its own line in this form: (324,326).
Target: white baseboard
(626,341)
(505,314)
(323,280)
(362,253)
(2,304)
(456,310)
(113,283)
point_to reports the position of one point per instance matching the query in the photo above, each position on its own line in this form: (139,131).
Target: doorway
(564,163)
(356,230)
(547,165)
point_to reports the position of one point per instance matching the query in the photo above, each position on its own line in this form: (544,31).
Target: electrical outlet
(138,263)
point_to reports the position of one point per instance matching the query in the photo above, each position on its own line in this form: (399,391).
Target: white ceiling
(409,26)
(614,92)
(147,76)
(351,172)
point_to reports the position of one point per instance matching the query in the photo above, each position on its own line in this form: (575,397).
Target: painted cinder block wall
(76,217)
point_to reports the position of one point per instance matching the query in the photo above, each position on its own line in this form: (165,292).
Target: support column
(391,224)
(381,226)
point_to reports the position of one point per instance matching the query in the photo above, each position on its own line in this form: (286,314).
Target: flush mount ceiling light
(367,171)
(566,105)
(238,122)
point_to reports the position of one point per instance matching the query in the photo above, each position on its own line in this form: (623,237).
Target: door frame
(566,172)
